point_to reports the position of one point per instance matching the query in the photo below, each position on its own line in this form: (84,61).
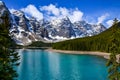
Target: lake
(42,65)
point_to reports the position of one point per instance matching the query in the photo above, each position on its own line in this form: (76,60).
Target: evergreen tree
(8,57)
(113,70)
(115,21)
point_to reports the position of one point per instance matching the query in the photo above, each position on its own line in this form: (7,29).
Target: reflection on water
(41,65)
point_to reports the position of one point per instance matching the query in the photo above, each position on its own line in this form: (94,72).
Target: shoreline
(96,53)
(29,47)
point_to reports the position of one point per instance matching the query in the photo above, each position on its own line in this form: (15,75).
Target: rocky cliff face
(20,29)
(24,30)
(4,15)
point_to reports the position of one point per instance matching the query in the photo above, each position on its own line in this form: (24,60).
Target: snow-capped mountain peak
(24,30)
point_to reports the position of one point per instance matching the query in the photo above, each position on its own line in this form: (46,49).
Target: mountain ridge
(25,30)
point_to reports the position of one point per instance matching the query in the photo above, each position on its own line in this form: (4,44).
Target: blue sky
(93,11)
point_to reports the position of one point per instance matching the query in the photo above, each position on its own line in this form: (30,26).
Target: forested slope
(101,42)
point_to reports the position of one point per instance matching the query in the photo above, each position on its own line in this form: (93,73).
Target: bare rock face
(21,20)
(63,28)
(4,15)
(3,10)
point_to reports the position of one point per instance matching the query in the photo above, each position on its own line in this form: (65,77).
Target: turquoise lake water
(42,65)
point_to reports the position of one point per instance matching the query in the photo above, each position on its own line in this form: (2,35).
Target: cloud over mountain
(33,11)
(52,11)
(109,23)
(102,18)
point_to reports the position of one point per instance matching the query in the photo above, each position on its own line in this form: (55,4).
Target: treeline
(101,42)
(40,44)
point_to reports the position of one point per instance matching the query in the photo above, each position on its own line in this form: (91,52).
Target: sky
(92,11)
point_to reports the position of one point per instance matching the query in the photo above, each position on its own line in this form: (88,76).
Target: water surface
(42,65)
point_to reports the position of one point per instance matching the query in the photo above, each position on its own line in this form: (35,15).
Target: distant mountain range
(24,30)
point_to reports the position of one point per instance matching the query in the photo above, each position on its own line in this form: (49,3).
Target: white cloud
(64,11)
(90,19)
(52,9)
(109,23)
(52,12)
(33,11)
(76,16)
(102,18)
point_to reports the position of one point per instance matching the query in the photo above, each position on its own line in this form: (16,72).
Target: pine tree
(8,57)
(113,65)
(115,21)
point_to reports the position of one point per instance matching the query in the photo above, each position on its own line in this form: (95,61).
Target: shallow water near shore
(38,64)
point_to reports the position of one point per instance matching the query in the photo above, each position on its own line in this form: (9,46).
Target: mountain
(101,42)
(24,30)
(4,20)
(83,29)
(60,29)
